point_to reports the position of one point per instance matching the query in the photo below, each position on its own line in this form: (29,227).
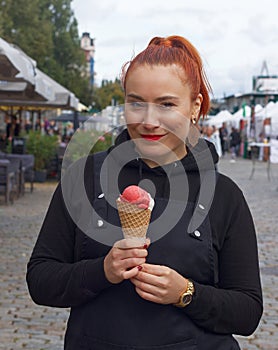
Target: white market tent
(15,64)
(218,119)
(270,111)
(18,75)
(245,115)
(23,84)
(62,98)
(232,119)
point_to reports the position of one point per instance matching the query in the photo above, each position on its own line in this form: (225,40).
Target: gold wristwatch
(186,296)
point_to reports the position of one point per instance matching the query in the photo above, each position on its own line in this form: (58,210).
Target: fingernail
(145,246)
(139,267)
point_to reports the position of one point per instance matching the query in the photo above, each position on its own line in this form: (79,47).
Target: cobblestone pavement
(24,325)
(262,197)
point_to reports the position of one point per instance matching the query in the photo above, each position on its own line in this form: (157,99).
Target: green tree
(48,32)
(24,26)
(5,20)
(67,63)
(66,42)
(108,93)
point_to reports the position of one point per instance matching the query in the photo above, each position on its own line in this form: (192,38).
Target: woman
(197,282)
(212,135)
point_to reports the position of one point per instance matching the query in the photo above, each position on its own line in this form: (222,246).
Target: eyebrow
(159,99)
(137,97)
(167,97)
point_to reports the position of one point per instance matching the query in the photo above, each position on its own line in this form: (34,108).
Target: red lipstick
(152,137)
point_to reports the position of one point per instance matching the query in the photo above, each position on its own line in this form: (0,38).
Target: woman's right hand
(124,260)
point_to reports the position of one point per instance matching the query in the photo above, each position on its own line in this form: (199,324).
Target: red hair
(175,50)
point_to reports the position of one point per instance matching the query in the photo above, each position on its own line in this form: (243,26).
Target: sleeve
(53,277)
(235,305)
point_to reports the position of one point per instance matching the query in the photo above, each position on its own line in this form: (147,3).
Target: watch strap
(189,292)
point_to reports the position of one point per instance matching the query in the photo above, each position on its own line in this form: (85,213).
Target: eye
(167,105)
(137,104)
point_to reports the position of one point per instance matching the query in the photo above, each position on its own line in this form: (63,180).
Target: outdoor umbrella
(19,80)
(22,84)
(15,65)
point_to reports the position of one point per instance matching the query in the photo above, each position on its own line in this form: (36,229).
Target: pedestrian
(46,126)
(12,127)
(3,142)
(38,125)
(195,281)
(223,134)
(212,135)
(235,140)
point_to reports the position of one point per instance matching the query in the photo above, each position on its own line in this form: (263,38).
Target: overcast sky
(233,37)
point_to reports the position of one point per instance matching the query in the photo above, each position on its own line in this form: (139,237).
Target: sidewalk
(25,325)
(262,198)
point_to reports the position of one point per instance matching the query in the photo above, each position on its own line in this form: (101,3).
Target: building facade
(264,90)
(87,45)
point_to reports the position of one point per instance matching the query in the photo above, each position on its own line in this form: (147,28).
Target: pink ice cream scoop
(135,195)
(134,207)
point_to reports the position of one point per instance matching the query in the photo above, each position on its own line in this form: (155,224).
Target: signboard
(265,83)
(18,145)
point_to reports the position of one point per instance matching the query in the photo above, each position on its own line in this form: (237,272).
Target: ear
(196,107)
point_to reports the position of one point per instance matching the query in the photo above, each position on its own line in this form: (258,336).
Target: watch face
(186,299)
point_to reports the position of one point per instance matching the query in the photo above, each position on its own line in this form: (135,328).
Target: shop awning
(23,85)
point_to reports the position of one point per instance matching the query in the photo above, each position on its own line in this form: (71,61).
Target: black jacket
(66,266)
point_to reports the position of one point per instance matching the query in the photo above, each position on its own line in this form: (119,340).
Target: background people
(235,140)
(212,134)
(223,134)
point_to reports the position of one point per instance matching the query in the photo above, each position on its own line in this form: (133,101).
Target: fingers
(159,284)
(121,261)
(150,292)
(150,283)
(152,280)
(131,273)
(157,270)
(127,264)
(116,265)
(129,243)
(121,254)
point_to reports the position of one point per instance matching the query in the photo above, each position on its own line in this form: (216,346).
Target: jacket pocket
(89,343)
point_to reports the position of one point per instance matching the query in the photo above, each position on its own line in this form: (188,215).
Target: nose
(151,117)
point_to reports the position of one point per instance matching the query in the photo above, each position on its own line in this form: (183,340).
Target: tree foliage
(48,32)
(109,93)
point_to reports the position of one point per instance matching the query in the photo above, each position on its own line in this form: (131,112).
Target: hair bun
(158,41)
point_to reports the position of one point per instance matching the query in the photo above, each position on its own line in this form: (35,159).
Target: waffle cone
(135,221)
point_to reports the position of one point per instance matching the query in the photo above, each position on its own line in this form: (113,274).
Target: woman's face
(158,111)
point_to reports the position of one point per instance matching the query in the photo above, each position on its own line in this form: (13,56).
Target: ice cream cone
(135,221)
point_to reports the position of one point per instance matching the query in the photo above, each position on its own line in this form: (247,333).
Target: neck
(160,161)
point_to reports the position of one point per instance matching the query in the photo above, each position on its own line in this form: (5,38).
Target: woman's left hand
(159,284)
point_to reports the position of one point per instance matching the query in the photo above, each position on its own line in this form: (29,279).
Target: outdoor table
(254,146)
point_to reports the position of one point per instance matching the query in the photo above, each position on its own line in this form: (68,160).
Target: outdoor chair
(27,162)
(7,180)
(25,171)
(17,169)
